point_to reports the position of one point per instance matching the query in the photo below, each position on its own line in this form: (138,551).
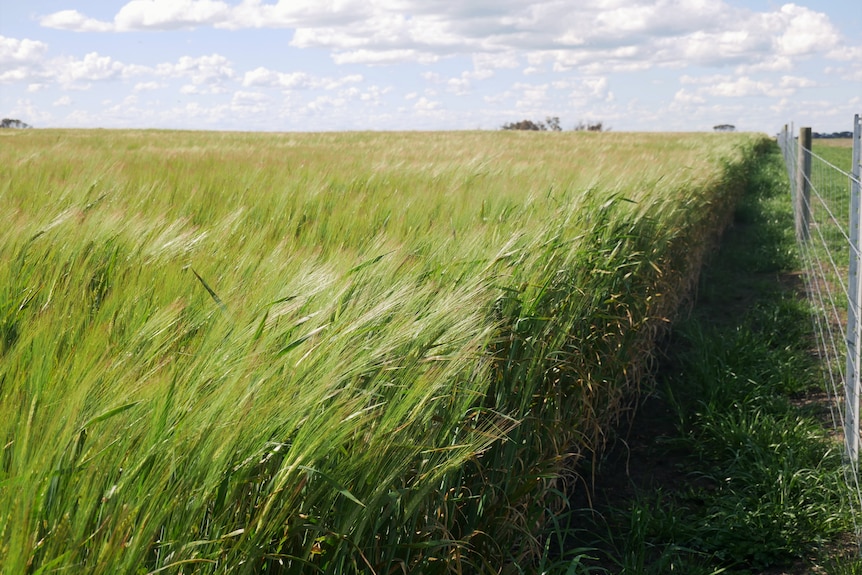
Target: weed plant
(281,353)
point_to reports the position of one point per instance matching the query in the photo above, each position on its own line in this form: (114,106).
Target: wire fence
(826,199)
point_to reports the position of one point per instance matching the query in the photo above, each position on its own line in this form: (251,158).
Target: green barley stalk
(425,332)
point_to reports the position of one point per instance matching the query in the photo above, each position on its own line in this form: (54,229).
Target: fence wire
(826,201)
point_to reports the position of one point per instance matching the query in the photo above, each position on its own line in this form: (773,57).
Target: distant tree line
(10,123)
(552,124)
(832,135)
(590,127)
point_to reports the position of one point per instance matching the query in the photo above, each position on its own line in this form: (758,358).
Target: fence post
(788,149)
(803,183)
(854,306)
(856,168)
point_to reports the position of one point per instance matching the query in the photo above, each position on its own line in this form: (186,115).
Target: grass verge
(730,466)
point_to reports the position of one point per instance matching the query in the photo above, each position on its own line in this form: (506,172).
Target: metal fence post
(856,168)
(803,183)
(854,322)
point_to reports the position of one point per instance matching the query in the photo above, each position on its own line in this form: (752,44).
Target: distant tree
(590,127)
(551,123)
(525,125)
(837,135)
(10,123)
(724,128)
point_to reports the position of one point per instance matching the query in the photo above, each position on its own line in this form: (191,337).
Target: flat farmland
(332,352)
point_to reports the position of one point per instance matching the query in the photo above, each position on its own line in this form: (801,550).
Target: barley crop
(360,352)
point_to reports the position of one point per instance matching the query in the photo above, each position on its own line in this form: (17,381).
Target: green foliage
(771,480)
(257,353)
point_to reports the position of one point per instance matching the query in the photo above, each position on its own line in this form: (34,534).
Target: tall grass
(254,353)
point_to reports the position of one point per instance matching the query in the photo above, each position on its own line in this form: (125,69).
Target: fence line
(828,211)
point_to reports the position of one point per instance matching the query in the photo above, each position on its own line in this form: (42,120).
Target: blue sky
(308,65)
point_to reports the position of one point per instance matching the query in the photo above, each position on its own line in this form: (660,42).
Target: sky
(324,65)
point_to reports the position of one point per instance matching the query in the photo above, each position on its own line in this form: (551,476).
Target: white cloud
(74,20)
(325,103)
(795,82)
(770,63)
(598,88)
(739,88)
(532,96)
(334,83)
(265,78)
(498,98)
(374,95)
(16,75)
(489,62)
(804,31)
(660,19)
(70,72)
(243,98)
(709,79)
(16,52)
(34,114)
(586,91)
(424,105)
(260,77)
(26,61)
(683,96)
(169,14)
(382,57)
(853,56)
(568,55)
(63,101)
(297,13)
(176,14)
(214,69)
(727,86)
(21,60)
(461,84)
(204,75)
(148,86)
(144,15)
(846,54)
(190,89)
(566,34)
(853,75)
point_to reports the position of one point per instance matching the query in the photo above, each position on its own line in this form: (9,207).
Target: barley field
(328,353)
